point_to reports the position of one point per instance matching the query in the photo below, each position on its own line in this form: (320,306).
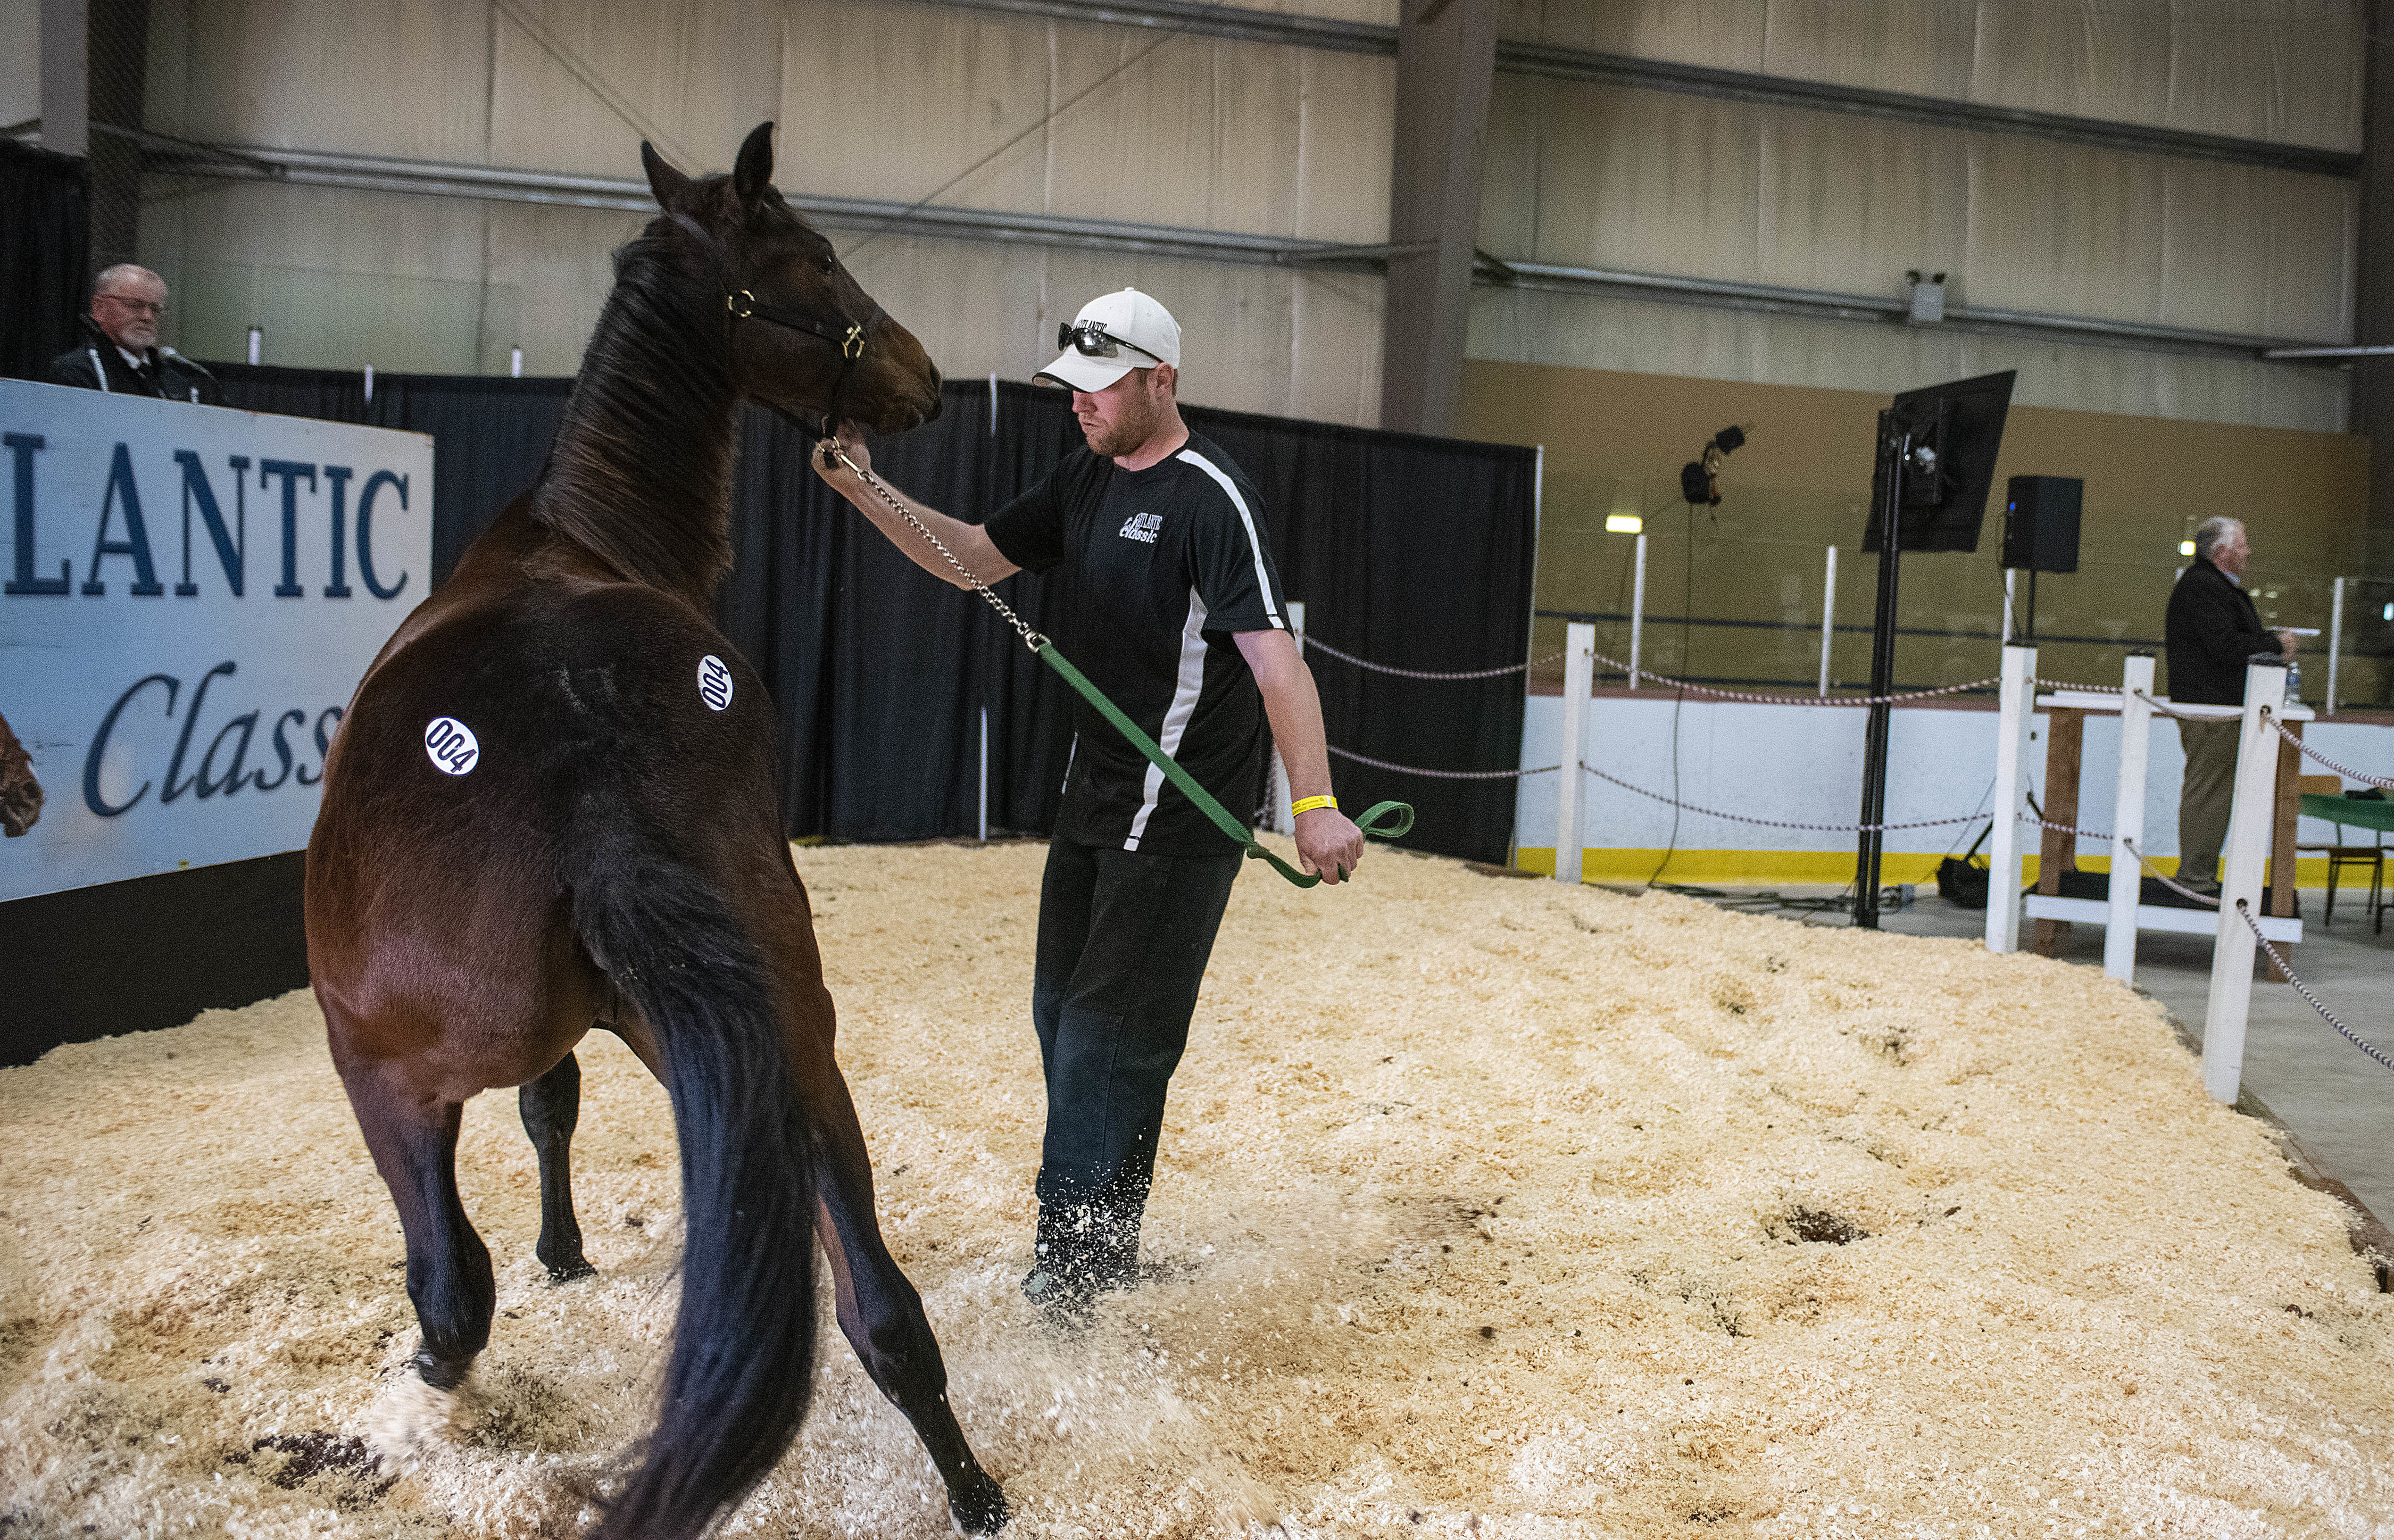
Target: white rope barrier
(1774,822)
(2207,900)
(2142,859)
(2340,770)
(2245,914)
(1315,644)
(2066,829)
(1695,688)
(2166,711)
(1442,774)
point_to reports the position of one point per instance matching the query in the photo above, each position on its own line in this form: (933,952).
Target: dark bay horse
(552,806)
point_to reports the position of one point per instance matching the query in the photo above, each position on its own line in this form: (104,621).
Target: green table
(2351,812)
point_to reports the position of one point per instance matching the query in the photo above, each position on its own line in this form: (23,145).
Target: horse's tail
(744,1343)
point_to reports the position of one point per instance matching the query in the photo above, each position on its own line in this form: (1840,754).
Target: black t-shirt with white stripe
(1168,564)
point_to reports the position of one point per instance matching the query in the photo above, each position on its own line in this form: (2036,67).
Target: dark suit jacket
(2213,630)
(97,365)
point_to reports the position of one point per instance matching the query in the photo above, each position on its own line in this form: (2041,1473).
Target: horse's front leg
(879,1310)
(551,1106)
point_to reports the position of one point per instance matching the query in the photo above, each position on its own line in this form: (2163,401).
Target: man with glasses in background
(1175,612)
(120,352)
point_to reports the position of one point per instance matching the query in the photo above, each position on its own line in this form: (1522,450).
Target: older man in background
(2213,632)
(119,352)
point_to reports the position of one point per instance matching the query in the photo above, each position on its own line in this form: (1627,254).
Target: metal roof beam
(506,184)
(1654,74)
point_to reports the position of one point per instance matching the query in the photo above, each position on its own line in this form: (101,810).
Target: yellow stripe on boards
(1762,868)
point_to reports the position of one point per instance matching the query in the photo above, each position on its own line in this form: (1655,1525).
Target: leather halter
(741,304)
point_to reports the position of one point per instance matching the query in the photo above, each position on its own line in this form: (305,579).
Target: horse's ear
(663,180)
(754,170)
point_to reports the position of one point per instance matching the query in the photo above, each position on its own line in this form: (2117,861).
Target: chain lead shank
(1032,640)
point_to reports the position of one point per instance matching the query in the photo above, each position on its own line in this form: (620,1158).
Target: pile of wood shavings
(1485,1208)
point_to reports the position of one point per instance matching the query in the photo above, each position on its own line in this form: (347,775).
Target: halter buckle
(740,302)
(852,346)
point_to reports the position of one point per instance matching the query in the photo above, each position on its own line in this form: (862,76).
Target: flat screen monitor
(1956,430)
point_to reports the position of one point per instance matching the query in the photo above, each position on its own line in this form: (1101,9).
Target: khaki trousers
(2203,805)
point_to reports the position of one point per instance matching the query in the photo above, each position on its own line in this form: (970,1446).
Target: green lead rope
(1384,821)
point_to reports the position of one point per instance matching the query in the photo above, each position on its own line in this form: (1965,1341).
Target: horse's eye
(829,261)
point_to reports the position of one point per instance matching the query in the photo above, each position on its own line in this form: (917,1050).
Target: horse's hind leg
(414,1139)
(551,1106)
(880,1312)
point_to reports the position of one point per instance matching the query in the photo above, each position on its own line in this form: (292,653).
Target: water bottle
(2293,679)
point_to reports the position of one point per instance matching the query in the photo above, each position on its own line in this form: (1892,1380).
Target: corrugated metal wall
(889,99)
(2287,70)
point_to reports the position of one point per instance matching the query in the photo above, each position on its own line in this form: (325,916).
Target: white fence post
(1579,679)
(1637,613)
(2011,575)
(1828,618)
(984,775)
(2245,860)
(2016,706)
(1284,821)
(2335,644)
(2128,818)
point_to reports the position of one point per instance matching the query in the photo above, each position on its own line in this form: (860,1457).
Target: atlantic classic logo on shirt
(1142,527)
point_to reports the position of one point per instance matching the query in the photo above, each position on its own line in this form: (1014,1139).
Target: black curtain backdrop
(335,395)
(1407,550)
(490,440)
(1417,553)
(45,256)
(490,435)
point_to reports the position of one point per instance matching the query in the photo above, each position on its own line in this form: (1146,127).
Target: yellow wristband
(1308,804)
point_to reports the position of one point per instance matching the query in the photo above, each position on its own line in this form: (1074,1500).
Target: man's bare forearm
(969,542)
(1294,708)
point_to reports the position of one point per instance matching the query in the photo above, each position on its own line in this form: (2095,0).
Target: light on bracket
(1928,297)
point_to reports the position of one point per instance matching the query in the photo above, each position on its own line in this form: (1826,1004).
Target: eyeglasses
(1091,339)
(140,307)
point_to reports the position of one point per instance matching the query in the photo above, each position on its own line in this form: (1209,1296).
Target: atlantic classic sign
(188,598)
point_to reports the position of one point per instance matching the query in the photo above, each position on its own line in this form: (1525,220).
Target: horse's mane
(641,470)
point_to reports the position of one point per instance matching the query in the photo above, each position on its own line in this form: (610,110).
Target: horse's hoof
(980,1509)
(570,1271)
(413,1417)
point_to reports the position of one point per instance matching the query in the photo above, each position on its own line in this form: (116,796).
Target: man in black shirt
(2212,631)
(1178,617)
(120,352)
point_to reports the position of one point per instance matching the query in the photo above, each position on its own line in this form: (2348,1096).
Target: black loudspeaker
(2041,522)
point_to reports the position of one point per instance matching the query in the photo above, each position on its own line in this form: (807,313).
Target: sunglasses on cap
(1091,339)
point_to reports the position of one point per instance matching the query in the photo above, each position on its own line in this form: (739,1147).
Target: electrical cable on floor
(1687,621)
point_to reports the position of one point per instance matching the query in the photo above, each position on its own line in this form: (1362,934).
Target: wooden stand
(2287,806)
(2058,852)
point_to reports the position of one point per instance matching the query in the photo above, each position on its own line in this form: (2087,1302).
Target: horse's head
(804,336)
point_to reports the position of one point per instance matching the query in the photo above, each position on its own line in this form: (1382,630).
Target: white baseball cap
(1113,334)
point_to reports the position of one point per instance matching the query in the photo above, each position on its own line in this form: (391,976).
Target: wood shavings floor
(1486,1208)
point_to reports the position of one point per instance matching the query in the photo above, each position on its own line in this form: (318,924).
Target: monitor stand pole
(1895,449)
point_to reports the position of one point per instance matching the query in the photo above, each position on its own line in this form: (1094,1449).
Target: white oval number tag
(713,682)
(451,745)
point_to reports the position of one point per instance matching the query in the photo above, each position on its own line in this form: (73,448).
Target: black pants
(1122,941)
